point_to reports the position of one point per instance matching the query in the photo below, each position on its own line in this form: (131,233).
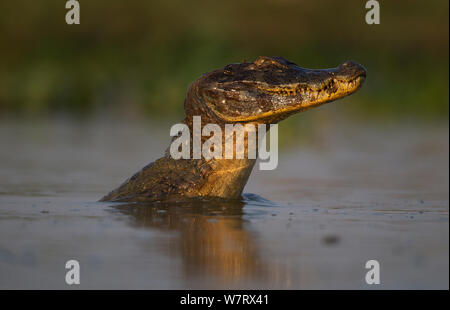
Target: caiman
(265,91)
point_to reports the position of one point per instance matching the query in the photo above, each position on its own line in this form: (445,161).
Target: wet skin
(265,91)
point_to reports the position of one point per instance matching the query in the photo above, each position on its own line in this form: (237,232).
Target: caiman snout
(272,88)
(350,70)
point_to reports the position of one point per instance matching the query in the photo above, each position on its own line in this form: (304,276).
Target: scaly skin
(265,91)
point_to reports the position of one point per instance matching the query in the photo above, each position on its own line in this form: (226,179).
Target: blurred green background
(136,58)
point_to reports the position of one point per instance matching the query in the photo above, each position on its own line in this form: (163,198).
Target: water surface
(351,194)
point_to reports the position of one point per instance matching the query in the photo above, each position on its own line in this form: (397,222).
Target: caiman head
(268,90)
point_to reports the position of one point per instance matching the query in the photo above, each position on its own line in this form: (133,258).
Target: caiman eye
(227,70)
(266,61)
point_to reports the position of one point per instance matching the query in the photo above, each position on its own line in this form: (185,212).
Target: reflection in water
(212,238)
(338,202)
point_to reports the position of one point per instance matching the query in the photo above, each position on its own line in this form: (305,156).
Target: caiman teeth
(331,87)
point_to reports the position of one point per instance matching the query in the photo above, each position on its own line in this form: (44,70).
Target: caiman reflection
(212,239)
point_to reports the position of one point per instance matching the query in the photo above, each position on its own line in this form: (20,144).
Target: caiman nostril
(361,71)
(351,64)
(352,68)
(348,63)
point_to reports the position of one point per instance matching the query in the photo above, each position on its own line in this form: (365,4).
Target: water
(352,193)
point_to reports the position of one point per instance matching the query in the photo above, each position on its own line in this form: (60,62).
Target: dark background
(136,58)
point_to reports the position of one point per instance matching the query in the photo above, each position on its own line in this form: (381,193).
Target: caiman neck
(223,177)
(227,178)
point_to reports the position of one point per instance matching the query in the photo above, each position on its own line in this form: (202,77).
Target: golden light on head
(272,88)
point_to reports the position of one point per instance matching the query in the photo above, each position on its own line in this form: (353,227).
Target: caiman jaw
(340,82)
(331,90)
(273,88)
